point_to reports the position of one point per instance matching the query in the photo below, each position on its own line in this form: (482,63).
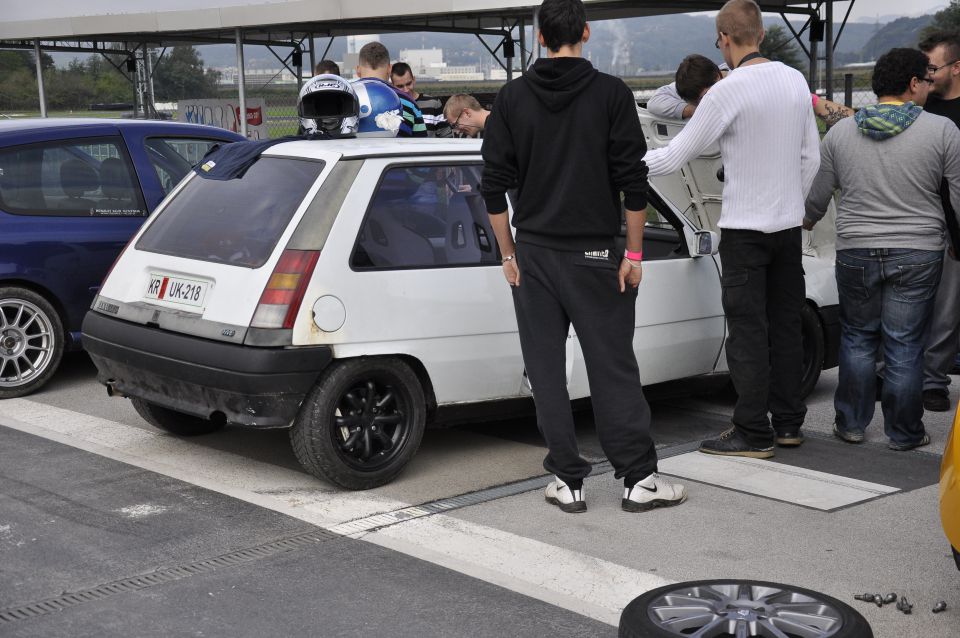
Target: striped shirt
(761,117)
(432,109)
(412,125)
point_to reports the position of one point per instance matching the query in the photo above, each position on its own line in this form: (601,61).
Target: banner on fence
(226,114)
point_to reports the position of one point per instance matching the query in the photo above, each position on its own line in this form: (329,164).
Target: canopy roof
(266,21)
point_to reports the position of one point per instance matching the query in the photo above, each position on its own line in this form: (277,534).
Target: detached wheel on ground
(31,341)
(739,609)
(814,349)
(173,421)
(361,424)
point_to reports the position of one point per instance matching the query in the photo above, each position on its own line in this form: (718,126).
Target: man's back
(890,187)
(570,137)
(762,145)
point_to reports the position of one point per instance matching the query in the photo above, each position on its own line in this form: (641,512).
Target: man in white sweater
(761,117)
(888,162)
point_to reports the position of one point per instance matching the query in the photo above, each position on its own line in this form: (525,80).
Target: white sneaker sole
(633,506)
(575,507)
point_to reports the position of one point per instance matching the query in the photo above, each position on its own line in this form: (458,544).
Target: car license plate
(177,290)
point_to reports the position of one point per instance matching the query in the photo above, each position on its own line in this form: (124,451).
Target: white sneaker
(571,501)
(652,492)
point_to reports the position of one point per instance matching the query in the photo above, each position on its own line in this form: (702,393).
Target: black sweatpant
(560,287)
(763,294)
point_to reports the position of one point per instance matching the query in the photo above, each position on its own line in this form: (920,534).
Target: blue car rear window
(236,222)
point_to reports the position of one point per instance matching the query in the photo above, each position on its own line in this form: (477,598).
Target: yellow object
(950,486)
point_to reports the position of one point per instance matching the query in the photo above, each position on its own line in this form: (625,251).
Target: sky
(870,9)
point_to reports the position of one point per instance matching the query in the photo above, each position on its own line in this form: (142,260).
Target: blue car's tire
(31,341)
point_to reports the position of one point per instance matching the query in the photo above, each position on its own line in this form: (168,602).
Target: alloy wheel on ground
(740,609)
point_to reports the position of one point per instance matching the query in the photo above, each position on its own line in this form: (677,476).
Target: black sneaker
(903,447)
(847,435)
(730,443)
(789,437)
(936,400)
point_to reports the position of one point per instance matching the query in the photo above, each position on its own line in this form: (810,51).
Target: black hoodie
(569,138)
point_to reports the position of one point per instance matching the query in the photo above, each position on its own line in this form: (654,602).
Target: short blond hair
(741,21)
(456,103)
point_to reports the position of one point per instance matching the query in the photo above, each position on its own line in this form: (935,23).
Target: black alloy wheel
(362,423)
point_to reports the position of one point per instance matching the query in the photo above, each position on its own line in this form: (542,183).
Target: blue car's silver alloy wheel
(31,341)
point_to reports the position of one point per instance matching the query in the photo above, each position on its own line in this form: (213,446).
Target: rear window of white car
(236,221)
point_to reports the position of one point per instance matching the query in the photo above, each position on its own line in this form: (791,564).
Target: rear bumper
(260,387)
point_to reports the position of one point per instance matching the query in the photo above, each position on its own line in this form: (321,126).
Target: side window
(173,157)
(426,216)
(90,178)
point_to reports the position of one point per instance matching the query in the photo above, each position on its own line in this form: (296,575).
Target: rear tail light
(283,295)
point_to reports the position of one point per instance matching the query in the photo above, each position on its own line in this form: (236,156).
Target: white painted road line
(786,483)
(587,585)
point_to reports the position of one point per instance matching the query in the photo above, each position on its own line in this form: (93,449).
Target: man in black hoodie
(568,138)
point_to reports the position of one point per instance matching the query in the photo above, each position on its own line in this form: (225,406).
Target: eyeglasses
(717,43)
(457,127)
(933,69)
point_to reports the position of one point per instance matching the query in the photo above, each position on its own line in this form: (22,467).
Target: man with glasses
(887,161)
(943,50)
(466,116)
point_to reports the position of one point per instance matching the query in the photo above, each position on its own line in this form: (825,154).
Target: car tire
(668,612)
(361,424)
(173,421)
(814,349)
(31,341)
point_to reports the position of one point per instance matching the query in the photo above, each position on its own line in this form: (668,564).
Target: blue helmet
(380,110)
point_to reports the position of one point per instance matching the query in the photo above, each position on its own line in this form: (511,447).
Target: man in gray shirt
(888,161)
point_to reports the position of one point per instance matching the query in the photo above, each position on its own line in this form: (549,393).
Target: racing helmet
(380,110)
(328,103)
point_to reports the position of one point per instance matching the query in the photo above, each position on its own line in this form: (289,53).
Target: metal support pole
(151,100)
(523,45)
(43,97)
(813,66)
(829,50)
(848,89)
(313,55)
(535,37)
(241,84)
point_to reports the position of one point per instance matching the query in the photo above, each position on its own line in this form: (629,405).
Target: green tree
(947,19)
(780,46)
(180,74)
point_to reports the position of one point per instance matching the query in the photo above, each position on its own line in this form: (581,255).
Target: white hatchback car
(352,291)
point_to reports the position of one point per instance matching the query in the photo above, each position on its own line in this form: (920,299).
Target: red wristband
(634,256)
(815,98)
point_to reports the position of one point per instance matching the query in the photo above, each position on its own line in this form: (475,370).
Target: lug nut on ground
(940,606)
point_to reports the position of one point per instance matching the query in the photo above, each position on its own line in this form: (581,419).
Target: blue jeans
(886,300)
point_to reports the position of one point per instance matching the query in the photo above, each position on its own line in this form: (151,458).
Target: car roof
(28,124)
(362,148)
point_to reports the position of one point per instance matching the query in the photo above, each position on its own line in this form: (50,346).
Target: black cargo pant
(763,294)
(558,288)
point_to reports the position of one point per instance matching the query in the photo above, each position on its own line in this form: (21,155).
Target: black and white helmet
(329,104)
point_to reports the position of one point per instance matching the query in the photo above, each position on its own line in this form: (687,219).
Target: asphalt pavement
(109,527)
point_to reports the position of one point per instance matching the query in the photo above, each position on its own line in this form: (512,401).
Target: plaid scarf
(883,121)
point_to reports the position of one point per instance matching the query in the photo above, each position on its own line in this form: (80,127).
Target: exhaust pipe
(112,390)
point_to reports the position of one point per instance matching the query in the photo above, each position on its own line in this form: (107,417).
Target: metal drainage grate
(136,583)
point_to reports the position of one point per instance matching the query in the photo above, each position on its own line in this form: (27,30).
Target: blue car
(72,192)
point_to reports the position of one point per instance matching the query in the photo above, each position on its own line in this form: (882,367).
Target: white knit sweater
(761,116)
